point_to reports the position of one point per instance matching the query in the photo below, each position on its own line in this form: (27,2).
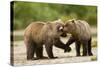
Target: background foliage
(26,12)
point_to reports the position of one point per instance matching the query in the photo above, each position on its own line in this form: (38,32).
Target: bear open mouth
(63,35)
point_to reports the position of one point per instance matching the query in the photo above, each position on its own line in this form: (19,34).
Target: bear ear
(73,20)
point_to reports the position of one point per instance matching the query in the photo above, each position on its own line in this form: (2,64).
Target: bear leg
(39,53)
(59,44)
(77,44)
(49,51)
(84,45)
(89,48)
(30,51)
(70,41)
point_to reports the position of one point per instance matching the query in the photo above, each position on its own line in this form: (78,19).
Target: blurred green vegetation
(93,58)
(94,43)
(26,12)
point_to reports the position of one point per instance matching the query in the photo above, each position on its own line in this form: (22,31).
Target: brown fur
(37,34)
(81,34)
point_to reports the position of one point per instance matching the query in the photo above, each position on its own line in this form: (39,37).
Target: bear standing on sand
(81,34)
(38,34)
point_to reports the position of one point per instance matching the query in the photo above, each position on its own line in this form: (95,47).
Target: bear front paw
(68,49)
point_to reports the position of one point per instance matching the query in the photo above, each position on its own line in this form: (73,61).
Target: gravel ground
(20,55)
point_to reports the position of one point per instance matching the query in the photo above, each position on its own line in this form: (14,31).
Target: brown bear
(38,34)
(81,34)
